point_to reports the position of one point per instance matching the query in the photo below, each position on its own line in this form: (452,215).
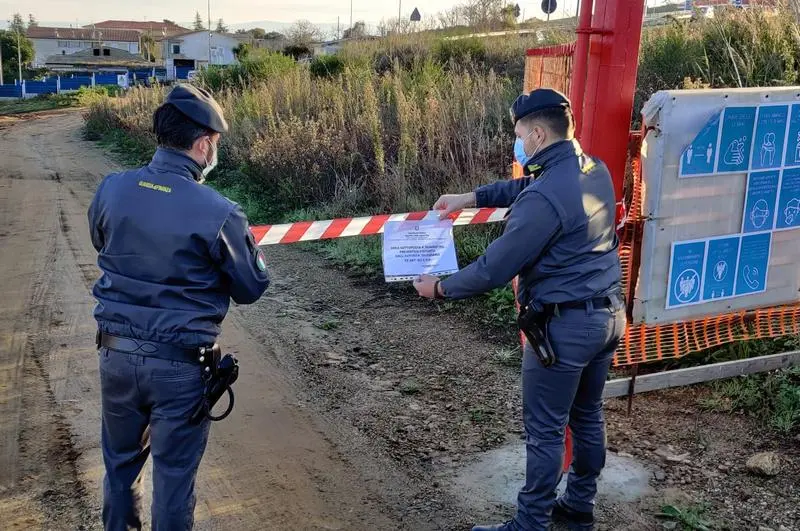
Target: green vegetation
(773,398)
(736,48)
(387,125)
(8,48)
(84,97)
(41,103)
(688,518)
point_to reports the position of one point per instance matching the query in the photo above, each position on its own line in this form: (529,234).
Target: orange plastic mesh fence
(657,342)
(552,67)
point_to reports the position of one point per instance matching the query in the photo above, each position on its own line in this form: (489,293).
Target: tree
(258,33)
(483,14)
(168,21)
(8,45)
(302,34)
(198,22)
(358,31)
(510,15)
(221,27)
(17,24)
(241,51)
(148,46)
(274,36)
(32,22)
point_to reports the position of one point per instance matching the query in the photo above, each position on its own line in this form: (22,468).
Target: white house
(48,42)
(197,49)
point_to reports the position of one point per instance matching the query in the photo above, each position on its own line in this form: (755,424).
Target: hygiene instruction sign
(721,172)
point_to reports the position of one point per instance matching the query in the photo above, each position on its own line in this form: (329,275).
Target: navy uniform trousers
(568,392)
(147,403)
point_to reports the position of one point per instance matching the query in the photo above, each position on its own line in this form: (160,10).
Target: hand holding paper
(447,204)
(426,286)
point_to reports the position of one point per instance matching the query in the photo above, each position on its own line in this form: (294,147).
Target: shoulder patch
(261,262)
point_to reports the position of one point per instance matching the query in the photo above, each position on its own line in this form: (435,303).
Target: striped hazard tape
(305,231)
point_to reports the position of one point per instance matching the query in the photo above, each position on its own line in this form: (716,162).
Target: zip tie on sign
(305,231)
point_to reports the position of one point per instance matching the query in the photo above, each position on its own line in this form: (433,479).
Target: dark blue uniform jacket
(559,237)
(172,252)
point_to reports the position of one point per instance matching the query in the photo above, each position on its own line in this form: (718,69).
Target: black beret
(537,100)
(197,104)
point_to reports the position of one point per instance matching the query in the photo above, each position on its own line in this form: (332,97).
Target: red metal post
(580,64)
(612,65)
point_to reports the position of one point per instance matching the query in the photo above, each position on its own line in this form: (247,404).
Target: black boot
(575,520)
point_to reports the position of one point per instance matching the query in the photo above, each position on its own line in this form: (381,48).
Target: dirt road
(270,465)
(357,407)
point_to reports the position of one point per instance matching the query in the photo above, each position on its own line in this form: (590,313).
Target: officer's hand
(453,202)
(425,284)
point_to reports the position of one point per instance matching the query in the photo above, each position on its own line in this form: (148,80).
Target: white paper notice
(413,248)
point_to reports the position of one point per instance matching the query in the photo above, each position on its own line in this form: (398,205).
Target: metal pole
(399,10)
(209,33)
(19,57)
(1,63)
(351,19)
(580,67)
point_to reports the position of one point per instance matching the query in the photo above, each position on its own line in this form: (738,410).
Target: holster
(534,326)
(219,374)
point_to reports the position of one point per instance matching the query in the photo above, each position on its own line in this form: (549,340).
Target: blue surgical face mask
(519,152)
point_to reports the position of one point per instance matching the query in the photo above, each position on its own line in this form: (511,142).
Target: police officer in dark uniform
(172,253)
(560,239)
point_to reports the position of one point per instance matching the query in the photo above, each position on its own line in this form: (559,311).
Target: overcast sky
(240,11)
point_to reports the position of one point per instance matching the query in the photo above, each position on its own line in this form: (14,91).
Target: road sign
(549,6)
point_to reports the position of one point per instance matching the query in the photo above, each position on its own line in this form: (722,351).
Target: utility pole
(351,18)
(209,33)
(338,33)
(1,63)
(399,10)
(19,57)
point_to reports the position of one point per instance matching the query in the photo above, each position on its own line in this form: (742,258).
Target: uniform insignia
(261,262)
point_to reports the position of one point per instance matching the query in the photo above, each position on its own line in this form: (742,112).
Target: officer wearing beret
(172,254)
(560,239)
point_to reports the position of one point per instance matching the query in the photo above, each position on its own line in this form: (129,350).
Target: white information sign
(413,248)
(721,203)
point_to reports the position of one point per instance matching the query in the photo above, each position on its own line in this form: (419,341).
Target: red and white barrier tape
(304,231)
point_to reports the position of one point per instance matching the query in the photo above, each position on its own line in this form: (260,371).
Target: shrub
(327,66)
(460,51)
(737,48)
(253,69)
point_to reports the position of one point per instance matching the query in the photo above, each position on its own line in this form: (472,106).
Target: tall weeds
(393,123)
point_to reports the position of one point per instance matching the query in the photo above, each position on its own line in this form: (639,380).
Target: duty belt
(554,310)
(150,349)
